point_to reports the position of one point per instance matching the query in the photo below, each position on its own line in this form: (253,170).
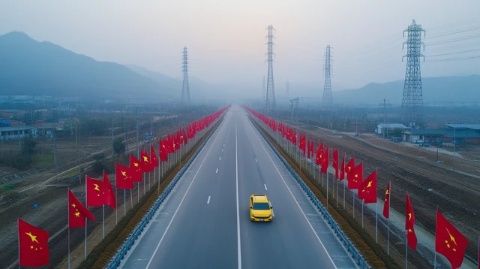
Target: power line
(439,43)
(453,53)
(456,59)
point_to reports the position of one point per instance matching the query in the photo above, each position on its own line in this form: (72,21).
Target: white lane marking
(299,207)
(208,200)
(178,207)
(216,172)
(219,158)
(222,149)
(239,245)
(265,185)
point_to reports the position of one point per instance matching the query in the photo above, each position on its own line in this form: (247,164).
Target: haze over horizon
(226,39)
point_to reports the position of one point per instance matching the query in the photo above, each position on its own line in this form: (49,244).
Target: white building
(12,133)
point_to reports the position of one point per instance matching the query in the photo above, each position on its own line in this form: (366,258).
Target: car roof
(260,198)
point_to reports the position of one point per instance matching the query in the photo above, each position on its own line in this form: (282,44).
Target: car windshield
(261,206)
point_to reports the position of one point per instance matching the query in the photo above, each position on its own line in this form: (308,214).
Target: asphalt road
(204,221)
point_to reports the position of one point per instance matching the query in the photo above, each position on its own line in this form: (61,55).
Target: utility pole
(327,98)
(270,95)
(294,107)
(412,101)
(287,89)
(185,84)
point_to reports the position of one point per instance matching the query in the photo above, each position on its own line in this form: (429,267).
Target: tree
(28,146)
(118,146)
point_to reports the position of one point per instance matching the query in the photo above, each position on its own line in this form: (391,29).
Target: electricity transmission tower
(287,89)
(412,101)
(270,94)
(294,107)
(185,84)
(327,98)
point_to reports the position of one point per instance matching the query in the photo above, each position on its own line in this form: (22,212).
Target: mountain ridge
(30,67)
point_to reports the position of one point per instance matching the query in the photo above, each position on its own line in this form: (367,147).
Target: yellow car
(260,208)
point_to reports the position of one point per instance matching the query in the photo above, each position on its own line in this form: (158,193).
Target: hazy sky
(226,38)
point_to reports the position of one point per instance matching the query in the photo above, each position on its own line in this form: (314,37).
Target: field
(38,194)
(450,184)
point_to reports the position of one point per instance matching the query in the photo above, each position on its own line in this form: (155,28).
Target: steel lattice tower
(185,84)
(270,94)
(412,101)
(327,98)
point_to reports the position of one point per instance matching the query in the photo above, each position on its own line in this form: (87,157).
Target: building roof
(464,126)
(19,128)
(392,125)
(430,132)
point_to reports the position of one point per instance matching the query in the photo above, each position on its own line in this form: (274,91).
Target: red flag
(368,189)
(123,177)
(410,224)
(95,192)
(335,164)
(108,192)
(136,169)
(303,143)
(145,162)
(77,212)
(349,166)
(153,157)
(342,169)
(449,242)
(386,201)
(319,157)
(324,163)
(163,150)
(355,177)
(32,245)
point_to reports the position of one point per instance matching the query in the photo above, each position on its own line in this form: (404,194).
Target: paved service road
(204,221)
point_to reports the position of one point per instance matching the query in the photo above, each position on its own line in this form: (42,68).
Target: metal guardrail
(351,249)
(137,231)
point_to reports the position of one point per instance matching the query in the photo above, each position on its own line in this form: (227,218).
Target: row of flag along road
(449,241)
(33,248)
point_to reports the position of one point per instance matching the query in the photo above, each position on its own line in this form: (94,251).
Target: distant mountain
(29,67)
(436,91)
(200,90)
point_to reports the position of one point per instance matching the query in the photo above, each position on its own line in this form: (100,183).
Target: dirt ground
(451,184)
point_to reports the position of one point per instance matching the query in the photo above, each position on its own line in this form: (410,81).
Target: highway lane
(205,219)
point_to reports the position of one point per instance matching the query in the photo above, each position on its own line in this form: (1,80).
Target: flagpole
(388,222)
(327,187)
(68,227)
(116,203)
(125,202)
(158,183)
(376,222)
(406,250)
(344,183)
(18,236)
(362,212)
(388,237)
(353,203)
(103,221)
(86,222)
(337,192)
